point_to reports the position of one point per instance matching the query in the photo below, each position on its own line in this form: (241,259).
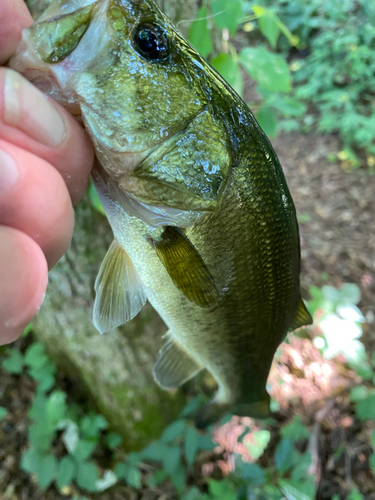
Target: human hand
(45,163)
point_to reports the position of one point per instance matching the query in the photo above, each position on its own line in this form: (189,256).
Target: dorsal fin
(186,267)
(119,292)
(174,366)
(302,317)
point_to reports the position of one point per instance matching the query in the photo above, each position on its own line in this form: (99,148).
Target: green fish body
(204,224)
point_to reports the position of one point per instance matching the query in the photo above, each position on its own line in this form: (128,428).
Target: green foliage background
(313,62)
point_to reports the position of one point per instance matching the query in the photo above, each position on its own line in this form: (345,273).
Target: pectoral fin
(119,292)
(174,366)
(186,267)
(302,317)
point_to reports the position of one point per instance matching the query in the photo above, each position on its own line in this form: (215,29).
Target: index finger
(14,17)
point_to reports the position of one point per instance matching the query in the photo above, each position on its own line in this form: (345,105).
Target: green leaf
(256,442)
(173,431)
(172,459)
(113,440)
(156,451)
(350,292)
(206,442)
(288,106)
(302,218)
(178,478)
(288,126)
(40,436)
(227,14)
(222,490)
(192,445)
(87,476)
(284,455)
(91,425)
(39,374)
(359,392)
(269,70)
(55,408)
(267,120)
(46,472)
(130,473)
(193,494)
(295,430)
(3,412)
(13,363)
(365,408)
(30,461)
(191,407)
(253,473)
(268,24)
(372,462)
(27,330)
(317,299)
(94,198)
(331,294)
(199,33)
(47,383)
(157,477)
(41,432)
(83,450)
(300,470)
(229,70)
(35,356)
(297,491)
(355,494)
(66,472)
(134,458)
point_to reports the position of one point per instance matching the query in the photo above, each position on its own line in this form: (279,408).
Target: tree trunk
(116,367)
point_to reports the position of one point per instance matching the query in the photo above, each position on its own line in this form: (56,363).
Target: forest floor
(337,213)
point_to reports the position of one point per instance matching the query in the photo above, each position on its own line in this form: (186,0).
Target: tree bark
(115,367)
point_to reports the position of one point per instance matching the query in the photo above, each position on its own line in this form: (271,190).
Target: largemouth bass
(205,227)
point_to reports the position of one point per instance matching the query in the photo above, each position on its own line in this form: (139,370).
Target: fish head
(123,67)
(122,62)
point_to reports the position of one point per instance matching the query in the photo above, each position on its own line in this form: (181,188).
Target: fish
(204,225)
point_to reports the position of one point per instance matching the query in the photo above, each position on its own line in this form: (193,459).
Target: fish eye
(150,41)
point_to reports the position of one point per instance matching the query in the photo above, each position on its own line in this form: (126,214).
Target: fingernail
(27,109)
(8,173)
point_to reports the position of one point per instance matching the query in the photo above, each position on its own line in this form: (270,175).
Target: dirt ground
(339,240)
(338,245)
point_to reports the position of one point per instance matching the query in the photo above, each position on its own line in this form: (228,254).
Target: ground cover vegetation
(70,450)
(313,71)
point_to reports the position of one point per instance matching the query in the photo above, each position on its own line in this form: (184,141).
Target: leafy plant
(336,73)
(268,69)
(51,416)
(279,467)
